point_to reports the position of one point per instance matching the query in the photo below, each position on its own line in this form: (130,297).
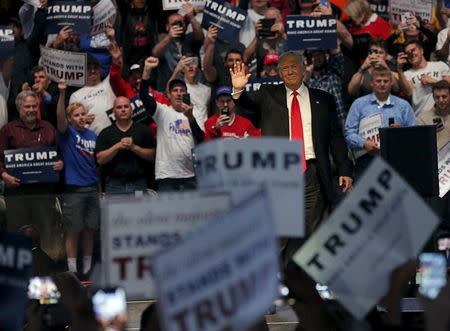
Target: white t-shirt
(97,100)
(175,143)
(248,33)
(422,98)
(441,38)
(200,95)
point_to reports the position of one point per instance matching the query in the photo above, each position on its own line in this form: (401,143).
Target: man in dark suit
(293,110)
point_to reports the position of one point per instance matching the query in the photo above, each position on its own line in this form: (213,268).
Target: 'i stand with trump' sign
(241,166)
(380,225)
(134,230)
(223,276)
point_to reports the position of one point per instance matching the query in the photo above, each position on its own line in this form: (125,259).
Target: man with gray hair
(30,203)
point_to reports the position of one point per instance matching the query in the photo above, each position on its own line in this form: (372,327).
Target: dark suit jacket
(270,102)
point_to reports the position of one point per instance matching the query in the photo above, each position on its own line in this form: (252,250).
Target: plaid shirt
(329,81)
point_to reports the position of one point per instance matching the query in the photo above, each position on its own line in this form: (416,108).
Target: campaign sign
(368,129)
(103,14)
(223,276)
(227,18)
(241,166)
(15,272)
(76,15)
(381,224)
(419,8)
(254,84)
(32,165)
(7,47)
(177,4)
(139,112)
(444,170)
(135,229)
(70,66)
(306,32)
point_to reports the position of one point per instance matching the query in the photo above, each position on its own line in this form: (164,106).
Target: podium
(412,152)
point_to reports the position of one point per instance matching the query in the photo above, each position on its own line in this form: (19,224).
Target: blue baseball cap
(223,90)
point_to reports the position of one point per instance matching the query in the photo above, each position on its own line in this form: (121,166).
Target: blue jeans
(123,186)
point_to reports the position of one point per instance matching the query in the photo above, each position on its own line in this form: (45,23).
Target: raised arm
(148,101)
(209,70)
(60,108)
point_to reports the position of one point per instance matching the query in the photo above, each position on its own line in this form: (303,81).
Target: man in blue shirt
(371,112)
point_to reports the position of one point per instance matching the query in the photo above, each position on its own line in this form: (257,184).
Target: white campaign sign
(133,230)
(241,166)
(419,8)
(222,277)
(368,129)
(444,169)
(70,66)
(177,4)
(381,224)
(103,13)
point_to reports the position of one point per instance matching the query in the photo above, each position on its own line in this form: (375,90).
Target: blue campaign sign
(76,15)
(306,32)
(254,84)
(15,272)
(6,41)
(32,165)
(227,18)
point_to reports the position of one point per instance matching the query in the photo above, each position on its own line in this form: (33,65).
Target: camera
(178,23)
(373,51)
(266,25)
(225,111)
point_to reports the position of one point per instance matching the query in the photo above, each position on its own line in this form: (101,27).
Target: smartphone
(433,268)
(225,111)
(325,3)
(405,16)
(187,98)
(193,61)
(266,25)
(44,290)
(373,51)
(110,306)
(391,120)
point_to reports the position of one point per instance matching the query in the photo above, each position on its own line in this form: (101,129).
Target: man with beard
(30,203)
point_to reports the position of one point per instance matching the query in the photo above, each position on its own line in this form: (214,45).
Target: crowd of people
(158,84)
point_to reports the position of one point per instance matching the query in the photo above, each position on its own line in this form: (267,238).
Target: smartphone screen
(44,290)
(444,243)
(110,306)
(325,3)
(433,268)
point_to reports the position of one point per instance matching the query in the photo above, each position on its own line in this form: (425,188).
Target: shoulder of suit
(316,93)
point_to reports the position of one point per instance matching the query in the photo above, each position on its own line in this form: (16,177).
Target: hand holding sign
(189,9)
(58,166)
(371,146)
(62,86)
(238,76)
(10,181)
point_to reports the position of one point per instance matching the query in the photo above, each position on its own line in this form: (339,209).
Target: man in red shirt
(226,123)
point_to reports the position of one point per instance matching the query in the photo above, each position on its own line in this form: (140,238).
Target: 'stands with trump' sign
(63,65)
(223,276)
(380,225)
(177,4)
(104,14)
(228,19)
(32,165)
(134,230)
(306,32)
(241,166)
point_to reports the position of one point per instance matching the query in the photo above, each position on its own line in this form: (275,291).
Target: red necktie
(297,125)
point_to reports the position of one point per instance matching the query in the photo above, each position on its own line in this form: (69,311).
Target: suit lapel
(280,97)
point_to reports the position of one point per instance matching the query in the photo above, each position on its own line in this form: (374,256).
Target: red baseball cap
(271,58)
